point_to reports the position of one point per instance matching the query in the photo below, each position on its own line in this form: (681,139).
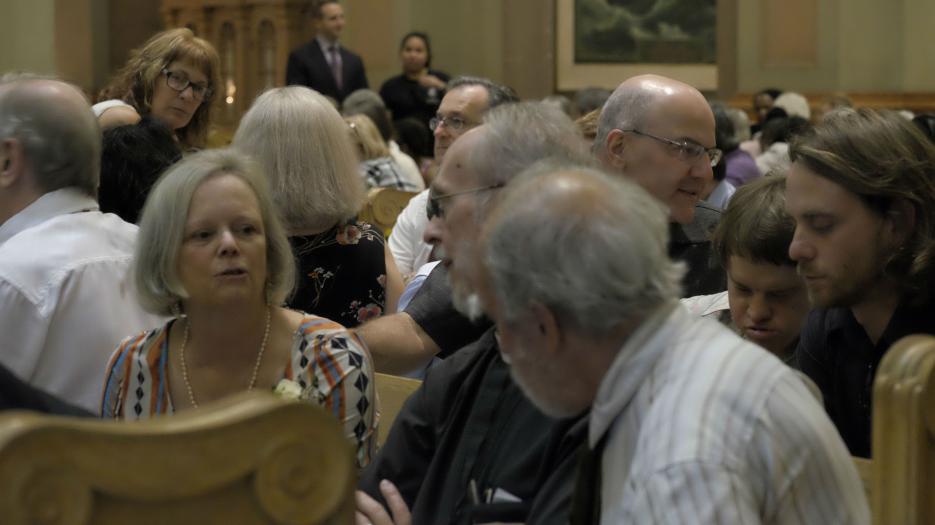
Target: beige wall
(62,37)
(806,45)
(82,45)
(468,38)
(27,36)
(917,35)
(836,45)
(131,22)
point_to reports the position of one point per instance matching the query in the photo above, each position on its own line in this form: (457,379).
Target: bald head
(640,131)
(48,131)
(631,105)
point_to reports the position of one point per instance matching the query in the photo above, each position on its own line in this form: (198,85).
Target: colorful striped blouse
(329,363)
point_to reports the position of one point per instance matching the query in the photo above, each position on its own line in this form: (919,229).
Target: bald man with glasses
(659,132)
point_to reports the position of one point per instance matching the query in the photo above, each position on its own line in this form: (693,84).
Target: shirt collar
(325,44)
(631,367)
(52,204)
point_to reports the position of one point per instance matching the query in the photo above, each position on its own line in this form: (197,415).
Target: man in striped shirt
(689,423)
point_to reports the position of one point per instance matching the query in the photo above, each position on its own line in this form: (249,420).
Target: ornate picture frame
(571,75)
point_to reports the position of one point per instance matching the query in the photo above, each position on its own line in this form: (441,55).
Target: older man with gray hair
(468,447)
(400,343)
(65,301)
(688,422)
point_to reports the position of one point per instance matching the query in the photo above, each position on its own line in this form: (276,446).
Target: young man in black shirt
(861,190)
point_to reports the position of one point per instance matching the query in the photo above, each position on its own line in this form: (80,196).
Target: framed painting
(603,42)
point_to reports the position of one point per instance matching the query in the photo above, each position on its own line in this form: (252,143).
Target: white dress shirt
(706,305)
(65,296)
(704,427)
(104,105)
(406,244)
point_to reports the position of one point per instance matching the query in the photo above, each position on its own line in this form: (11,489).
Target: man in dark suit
(323,64)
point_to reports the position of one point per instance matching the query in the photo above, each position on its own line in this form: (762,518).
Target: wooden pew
(392,391)
(252,458)
(902,473)
(383,206)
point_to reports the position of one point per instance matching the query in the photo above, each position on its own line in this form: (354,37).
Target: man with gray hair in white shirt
(688,422)
(65,301)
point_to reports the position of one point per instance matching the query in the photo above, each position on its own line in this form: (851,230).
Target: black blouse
(341,273)
(404,97)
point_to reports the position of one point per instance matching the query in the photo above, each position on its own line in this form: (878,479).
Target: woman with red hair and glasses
(171,78)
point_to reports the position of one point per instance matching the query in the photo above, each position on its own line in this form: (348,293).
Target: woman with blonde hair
(345,271)
(213,254)
(377,167)
(173,78)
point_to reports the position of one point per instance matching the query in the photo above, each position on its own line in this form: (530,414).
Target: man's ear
(11,162)
(549,330)
(614,148)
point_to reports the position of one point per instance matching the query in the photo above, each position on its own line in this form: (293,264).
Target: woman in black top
(418,91)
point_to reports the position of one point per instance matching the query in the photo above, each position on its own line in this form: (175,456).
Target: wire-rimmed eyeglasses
(454,123)
(686,151)
(433,208)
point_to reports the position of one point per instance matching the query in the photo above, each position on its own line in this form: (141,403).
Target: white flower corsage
(288,390)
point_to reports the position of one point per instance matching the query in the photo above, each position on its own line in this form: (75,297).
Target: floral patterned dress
(341,273)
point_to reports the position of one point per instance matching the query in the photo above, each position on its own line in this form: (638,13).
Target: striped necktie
(335,65)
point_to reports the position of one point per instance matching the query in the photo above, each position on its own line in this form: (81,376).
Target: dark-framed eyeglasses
(179,81)
(454,123)
(434,209)
(684,150)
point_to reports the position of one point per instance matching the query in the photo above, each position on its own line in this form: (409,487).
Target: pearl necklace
(256,366)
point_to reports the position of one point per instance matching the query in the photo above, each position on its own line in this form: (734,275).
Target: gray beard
(468,304)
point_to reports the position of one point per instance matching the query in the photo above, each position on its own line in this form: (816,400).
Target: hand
(431,81)
(371,512)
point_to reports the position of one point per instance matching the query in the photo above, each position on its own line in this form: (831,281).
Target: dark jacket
(469,421)
(15,394)
(307,67)
(691,243)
